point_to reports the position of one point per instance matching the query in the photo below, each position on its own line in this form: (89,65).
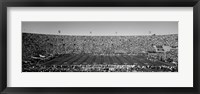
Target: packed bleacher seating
(41,48)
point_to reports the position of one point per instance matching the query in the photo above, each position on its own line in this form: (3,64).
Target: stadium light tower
(90,32)
(149,32)
(59,31)
(57,43)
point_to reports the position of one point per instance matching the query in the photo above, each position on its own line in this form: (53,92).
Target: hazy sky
(101,28)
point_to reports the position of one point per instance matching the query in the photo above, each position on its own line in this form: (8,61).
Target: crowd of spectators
(51,46)
(168,57)
(29,67)
(34,44)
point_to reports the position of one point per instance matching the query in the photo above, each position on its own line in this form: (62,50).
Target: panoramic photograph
(99,46)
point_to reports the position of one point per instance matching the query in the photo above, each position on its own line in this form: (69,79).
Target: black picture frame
(98,3)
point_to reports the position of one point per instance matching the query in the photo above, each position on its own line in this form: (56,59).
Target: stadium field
(87,59)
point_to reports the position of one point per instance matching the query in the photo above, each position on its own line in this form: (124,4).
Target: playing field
(87,59)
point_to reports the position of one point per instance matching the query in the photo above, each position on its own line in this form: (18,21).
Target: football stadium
(75,53)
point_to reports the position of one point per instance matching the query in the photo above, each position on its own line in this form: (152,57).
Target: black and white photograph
(99,46)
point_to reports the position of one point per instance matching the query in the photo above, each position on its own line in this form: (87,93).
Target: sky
(102,28)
